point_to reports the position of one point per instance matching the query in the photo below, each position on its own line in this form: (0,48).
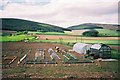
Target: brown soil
(21,48)
(52,37)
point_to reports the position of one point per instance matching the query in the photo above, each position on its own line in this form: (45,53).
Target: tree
(91,33)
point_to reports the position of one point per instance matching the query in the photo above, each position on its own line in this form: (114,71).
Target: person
(98,62)
(87,54)
(57,49)
(50,50)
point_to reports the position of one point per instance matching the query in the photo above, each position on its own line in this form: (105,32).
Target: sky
(62,13)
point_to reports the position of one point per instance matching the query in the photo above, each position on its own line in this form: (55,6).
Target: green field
(114,42)
(103,33)
(47,33)
(107,32)
(21,37)
(15,38)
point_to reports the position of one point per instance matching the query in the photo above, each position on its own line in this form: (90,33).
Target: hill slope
(26,25)
(94,26)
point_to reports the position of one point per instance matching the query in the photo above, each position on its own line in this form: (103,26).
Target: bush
(6,34)
(25,32)
(91,33)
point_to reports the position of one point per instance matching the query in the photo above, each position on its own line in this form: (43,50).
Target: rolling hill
(94,26)
(26,25)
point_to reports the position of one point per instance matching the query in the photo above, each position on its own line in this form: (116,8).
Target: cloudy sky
(62,13)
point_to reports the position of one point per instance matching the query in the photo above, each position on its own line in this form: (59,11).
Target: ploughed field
(70,39)
(12,52)
(54,37)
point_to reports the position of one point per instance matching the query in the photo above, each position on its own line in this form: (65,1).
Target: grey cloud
(91,11)
(31,2)
(67,14)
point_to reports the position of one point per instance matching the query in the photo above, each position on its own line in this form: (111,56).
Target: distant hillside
(94,26)
(26,25)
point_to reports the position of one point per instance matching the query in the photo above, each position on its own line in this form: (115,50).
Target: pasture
(107,32)
(102,33)
(15,38)
(65,39)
